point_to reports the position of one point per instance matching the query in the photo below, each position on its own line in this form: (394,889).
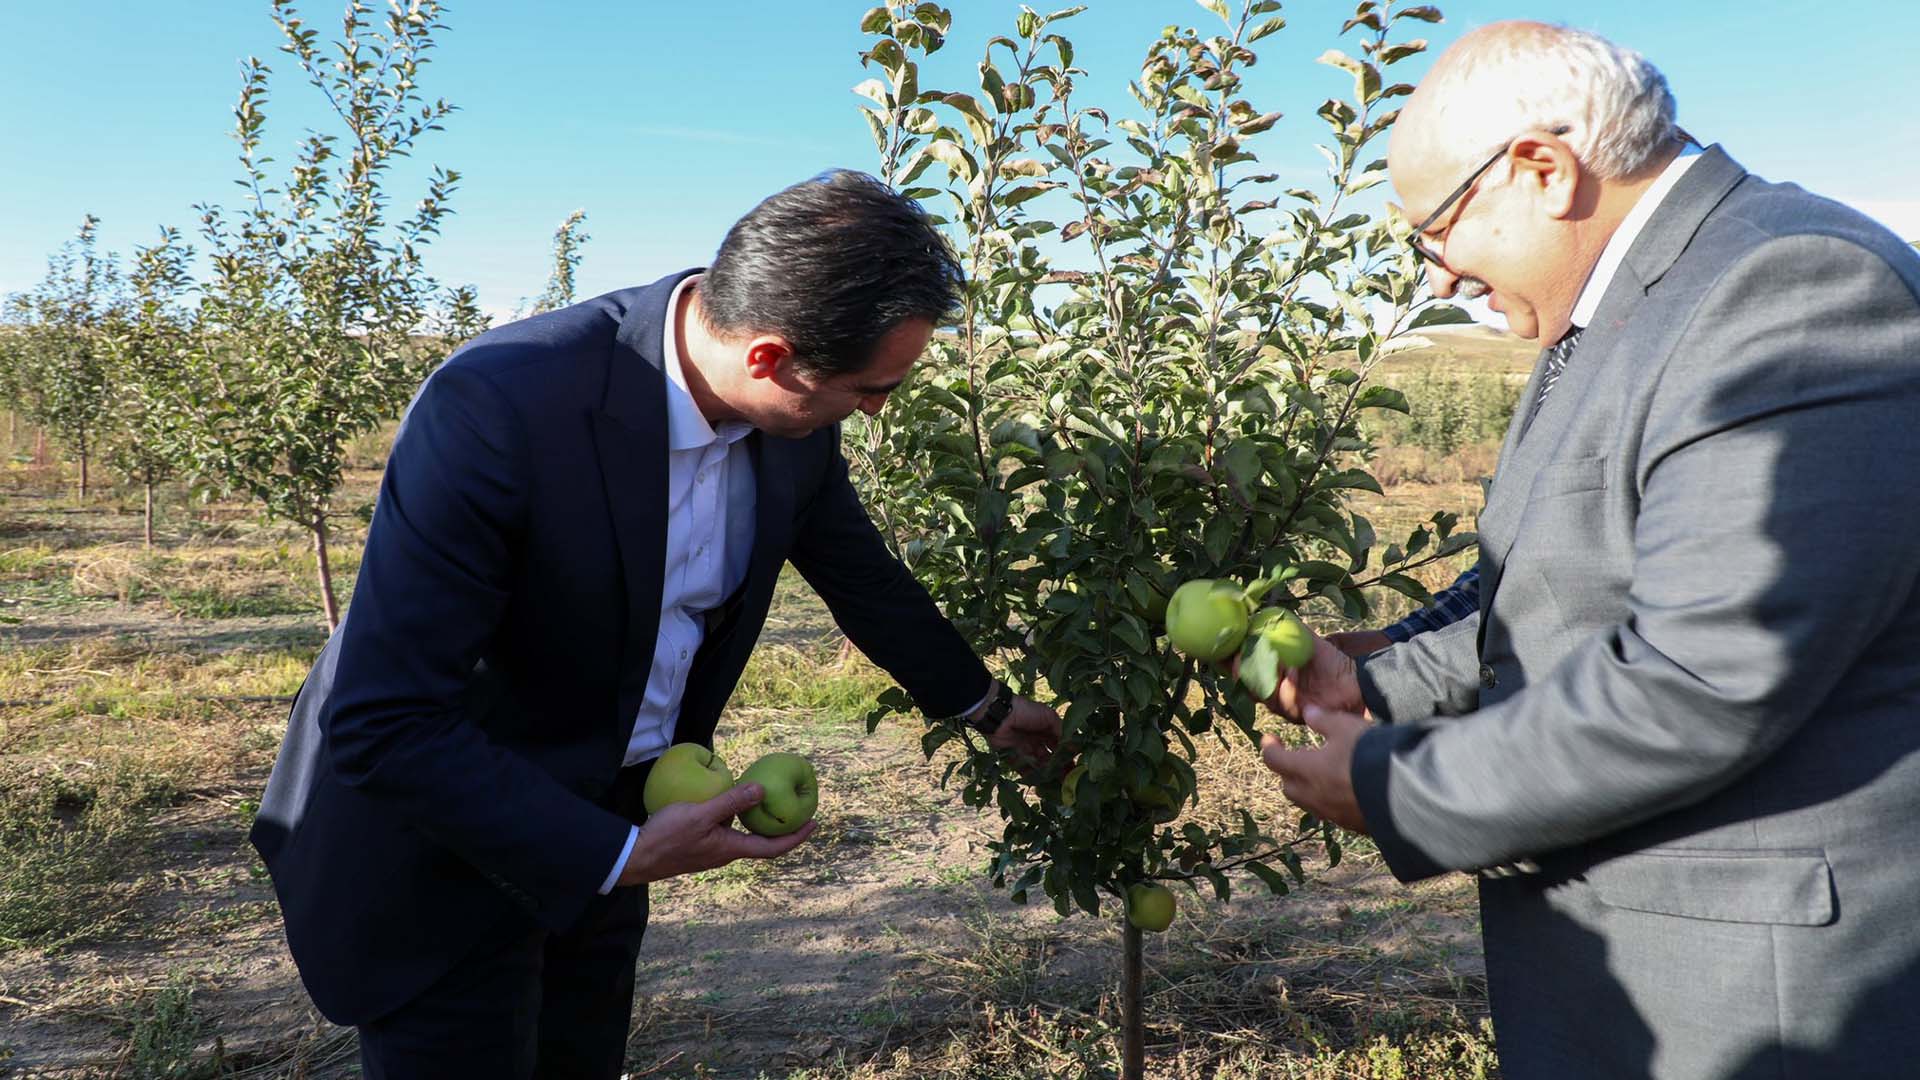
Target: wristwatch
(999,704)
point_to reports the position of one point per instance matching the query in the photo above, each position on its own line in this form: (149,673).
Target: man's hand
(1319,779)
(685,838)
(1360,642)
(1330,681)
(1031,733)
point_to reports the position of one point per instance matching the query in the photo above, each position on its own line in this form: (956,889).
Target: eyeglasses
(1420,230)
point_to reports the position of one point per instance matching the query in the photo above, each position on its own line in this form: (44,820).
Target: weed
(166,1037)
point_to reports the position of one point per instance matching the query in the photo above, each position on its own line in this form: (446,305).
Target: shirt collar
(687,428)
(1629,231)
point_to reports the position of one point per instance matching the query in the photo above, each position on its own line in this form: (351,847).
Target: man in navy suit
(576,542)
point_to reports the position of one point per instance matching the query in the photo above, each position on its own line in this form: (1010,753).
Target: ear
(1546,166)
(767,356)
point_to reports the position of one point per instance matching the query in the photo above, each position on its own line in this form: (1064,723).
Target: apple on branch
(1150,907)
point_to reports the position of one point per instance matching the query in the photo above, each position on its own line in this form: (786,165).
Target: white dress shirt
(1629,231)
(709,508)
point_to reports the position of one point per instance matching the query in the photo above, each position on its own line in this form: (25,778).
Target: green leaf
(1382,397)
(1275,881)
(934,739)
(1291,860)
(1351,478)
(1242,460)
(1440,315)
(1408,587)
(1393,54)
(1269,26)
(1216,537)
(1085,895)
(993,86)
(958,161)
(1218,7)
(1221,889)
(1260,668)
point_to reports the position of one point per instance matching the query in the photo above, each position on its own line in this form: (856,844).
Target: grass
(166,1037)
(67,837)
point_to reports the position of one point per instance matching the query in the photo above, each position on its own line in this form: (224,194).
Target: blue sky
(667,121)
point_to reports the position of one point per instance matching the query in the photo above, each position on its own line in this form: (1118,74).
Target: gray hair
(1513,77)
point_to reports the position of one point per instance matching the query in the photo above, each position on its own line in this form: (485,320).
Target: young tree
(61,374)
(1157,376)
(12,367)
(568,239)
(150,345)
(309,318)
(459,319)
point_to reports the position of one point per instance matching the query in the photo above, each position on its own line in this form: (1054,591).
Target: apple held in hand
(792,794)
(1207,618)
(687,772)
(1276,640)
(1150,907)
(1291,640)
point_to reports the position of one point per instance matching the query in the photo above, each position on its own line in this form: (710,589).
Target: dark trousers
(528,1004)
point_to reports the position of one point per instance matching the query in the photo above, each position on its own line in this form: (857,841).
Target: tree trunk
(1133,1039)
(149,529)
(83,472)
(327,602)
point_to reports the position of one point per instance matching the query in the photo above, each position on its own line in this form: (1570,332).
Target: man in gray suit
(1680,740)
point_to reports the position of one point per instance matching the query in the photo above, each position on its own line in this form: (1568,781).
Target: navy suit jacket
(448,763)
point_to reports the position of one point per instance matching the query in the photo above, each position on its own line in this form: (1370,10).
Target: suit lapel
(1659,245)
(630,433)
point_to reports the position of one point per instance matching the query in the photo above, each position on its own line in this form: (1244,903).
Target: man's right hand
(1330,680)
(685,838)
(1360,642)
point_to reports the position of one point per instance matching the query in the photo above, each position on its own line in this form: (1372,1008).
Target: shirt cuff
(620,863)
(973,708)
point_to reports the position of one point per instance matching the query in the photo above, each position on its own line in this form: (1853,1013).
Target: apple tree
(1157,376)
(568,239)
(60,373)
(149,345)
(311,313)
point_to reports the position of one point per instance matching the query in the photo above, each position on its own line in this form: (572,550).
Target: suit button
(1487,679)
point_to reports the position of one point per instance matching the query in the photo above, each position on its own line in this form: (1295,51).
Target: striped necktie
(1555,366)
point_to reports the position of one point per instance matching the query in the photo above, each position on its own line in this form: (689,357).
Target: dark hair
(831,264)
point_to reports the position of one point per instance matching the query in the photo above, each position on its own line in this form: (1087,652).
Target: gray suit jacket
(1692,695)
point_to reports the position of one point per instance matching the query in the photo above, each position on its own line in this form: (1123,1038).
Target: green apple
(1156,612)
(1150,907)
(1162,791)
(1207,618)
(1291,640)
(792,793)
(687,772)
(1070,786)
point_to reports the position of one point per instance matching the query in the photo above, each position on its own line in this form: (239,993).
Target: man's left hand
(1031,733)
(1319,779)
